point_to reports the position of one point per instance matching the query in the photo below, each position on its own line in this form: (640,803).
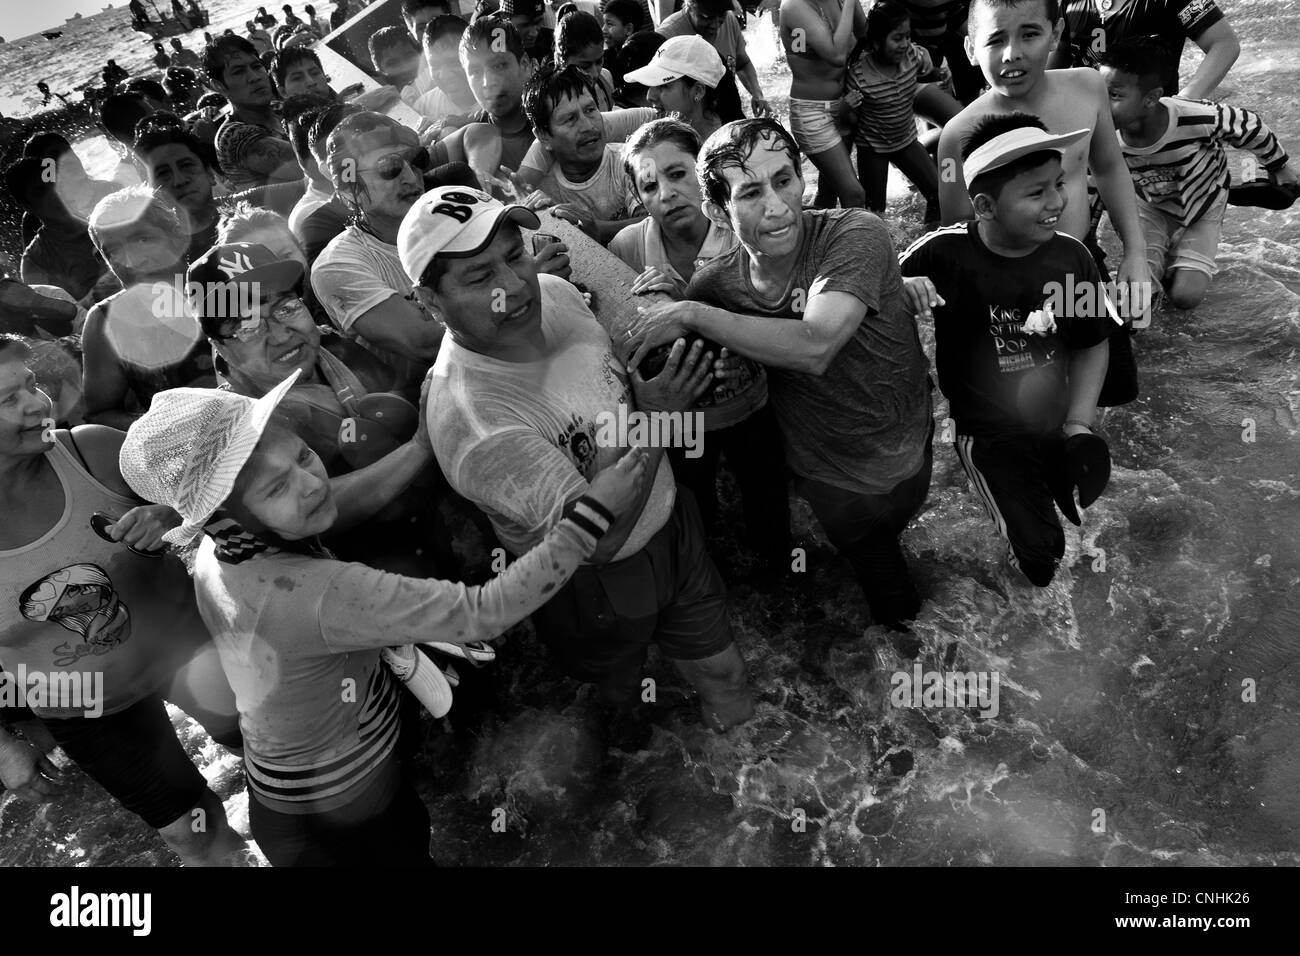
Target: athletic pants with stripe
(1010,476)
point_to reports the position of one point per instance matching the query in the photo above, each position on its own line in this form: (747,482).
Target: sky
(20,18)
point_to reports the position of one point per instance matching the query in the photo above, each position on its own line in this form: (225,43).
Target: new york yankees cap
(213,277)
(453,221)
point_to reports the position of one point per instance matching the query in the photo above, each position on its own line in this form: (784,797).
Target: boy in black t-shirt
(1022,319)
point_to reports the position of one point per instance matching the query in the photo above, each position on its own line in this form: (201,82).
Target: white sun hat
(1005,149)
(187,450)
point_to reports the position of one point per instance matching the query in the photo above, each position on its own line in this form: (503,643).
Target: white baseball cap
(691,56)
(1006,148)
(453,221)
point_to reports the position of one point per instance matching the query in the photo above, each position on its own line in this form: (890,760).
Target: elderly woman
(302,636)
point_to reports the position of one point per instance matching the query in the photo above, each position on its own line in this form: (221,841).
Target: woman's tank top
(74,605)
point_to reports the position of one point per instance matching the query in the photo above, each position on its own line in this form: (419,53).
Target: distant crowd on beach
(265,388)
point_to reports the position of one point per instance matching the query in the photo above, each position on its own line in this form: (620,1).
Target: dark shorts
(135,756)
(386,826)
(134,753)
(600,624)
(1011,477)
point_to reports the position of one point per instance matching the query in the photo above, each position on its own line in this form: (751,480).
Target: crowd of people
(245,384)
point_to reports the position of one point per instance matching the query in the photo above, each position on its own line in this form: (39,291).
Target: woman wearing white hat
(682,80)
(302,636)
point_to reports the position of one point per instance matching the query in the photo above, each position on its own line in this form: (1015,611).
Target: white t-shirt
(519,438)
(606,195)
(355,273)
(311,200)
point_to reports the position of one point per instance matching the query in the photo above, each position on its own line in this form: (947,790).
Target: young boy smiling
(1022,383)
(1011,41)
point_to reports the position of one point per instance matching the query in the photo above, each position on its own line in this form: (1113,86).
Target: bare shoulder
(100,446)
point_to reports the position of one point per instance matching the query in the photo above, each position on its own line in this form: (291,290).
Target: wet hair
(574,33)
(120,112)
(328,118)
(1052,7)
(219,51)
(652,134)
(995,180)
(47,145)
(883,19)
(152,138)
(290,57)
(151,89)
(549,86)
(130,205)
(626,11)
(294,106)
(482,33)
(443,28)
(388,38)
(564,10)
(211,99)
(1147,58)
(731,145)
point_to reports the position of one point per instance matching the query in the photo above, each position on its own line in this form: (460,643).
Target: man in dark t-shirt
(817,298)
(1091,26)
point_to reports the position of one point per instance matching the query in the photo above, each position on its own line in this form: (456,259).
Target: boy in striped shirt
(1175,154)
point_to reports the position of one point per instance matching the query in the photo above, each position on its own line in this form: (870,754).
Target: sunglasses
(251,330)
(390,167)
